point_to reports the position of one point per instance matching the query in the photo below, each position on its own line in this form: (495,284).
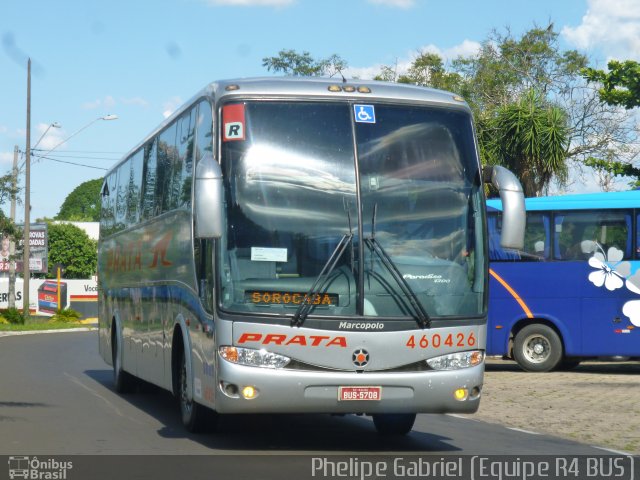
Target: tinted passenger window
(150,179)
(537,239)
(167,159)
(578,235)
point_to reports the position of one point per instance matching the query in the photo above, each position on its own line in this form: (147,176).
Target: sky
(141,59)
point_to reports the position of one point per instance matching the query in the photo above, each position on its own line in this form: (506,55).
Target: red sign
(233,122)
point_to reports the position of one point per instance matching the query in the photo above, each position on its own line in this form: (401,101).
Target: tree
(290,62)
(503,73)
(83,203)
(72,247)
(620,87)
(427,70)
(530,137)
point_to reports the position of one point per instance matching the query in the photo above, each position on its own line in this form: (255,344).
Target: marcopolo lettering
(361,326)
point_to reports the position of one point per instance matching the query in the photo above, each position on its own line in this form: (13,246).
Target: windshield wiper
(420,314)
(307,303)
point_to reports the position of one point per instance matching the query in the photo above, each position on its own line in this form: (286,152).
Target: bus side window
(149,181)
(203,249)
(537,237)
(578,235)
(496,252)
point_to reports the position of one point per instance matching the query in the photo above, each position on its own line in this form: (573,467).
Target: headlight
(454,361)
(253,358)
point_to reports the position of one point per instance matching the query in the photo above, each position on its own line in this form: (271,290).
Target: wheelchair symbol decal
(364,113)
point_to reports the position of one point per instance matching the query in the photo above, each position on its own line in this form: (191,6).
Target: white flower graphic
(632,310)
(605,273)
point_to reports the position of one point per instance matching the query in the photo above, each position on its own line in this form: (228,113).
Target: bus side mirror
(208,203)
(513,209)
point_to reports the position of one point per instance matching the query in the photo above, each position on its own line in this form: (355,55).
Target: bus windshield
(371,189)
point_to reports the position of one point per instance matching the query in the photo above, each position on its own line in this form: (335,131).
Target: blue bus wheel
(537,348)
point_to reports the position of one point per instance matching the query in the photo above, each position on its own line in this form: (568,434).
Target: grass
(39,323)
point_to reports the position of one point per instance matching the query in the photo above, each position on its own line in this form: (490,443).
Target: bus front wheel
(195,417)
(394,423)
(537,348)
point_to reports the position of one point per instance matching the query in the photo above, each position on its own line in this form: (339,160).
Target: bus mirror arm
(208,199)
(513,209)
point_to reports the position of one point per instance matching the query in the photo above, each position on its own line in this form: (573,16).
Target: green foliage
(530,137)
(615,168)
(70,246)
(290,62)
(507,67)
(427,70)
(66,315)
(620,86)
(83,203)
(13,316)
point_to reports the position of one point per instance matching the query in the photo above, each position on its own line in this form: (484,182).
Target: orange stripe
(512,292)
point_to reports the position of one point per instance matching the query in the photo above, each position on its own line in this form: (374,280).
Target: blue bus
(573,291)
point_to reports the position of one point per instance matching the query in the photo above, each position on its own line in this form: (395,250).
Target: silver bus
(286,245)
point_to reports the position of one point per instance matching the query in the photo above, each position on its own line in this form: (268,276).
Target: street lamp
(14,182)
(106,117)
(27,196)
(51,125)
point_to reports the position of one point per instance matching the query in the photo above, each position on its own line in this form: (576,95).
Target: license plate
(359,393)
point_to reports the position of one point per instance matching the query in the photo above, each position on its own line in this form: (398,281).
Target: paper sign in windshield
(233,122)
(264,254)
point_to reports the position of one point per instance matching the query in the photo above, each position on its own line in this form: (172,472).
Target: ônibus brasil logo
(35,469)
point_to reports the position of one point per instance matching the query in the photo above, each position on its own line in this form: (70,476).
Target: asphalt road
(56,398)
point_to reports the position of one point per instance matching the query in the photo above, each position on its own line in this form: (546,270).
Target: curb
(57,330)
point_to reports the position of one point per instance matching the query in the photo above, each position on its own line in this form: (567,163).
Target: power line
(73,163)
(88,157)
(82,151)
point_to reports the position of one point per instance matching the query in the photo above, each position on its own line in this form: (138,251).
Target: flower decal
(610,271)
(632,310)
(613,273)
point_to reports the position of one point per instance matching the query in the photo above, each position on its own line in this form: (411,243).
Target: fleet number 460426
(437,340)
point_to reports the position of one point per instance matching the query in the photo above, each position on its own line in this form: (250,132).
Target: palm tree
(531,138)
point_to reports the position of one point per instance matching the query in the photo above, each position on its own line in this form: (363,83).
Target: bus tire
(537,348)
(123,381)
(394,423)
(196,418)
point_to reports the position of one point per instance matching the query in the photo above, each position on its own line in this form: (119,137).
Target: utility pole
(27,202)
(12,245)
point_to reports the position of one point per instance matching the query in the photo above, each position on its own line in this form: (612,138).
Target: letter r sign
(233,121)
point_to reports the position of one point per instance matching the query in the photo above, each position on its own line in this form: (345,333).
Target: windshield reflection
(291,196)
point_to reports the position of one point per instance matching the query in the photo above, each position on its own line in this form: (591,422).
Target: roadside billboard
(38,251)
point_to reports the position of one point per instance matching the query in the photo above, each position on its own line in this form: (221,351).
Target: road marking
(611,450)
(463,417)
(105,400)
(523,431)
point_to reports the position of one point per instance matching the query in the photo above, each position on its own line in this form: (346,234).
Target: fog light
(249,392)
(461,394)
(230,389)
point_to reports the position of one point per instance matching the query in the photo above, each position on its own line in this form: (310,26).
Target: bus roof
(583,201)
(311,88)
